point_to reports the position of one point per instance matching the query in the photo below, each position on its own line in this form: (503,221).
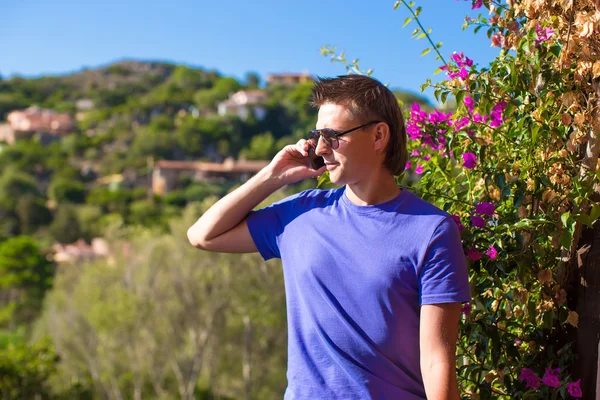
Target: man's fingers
(302,146)
(319,171)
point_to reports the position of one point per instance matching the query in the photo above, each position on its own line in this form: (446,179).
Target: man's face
(355,156)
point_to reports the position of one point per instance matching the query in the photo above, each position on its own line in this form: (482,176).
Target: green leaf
(406,21)
(323,179)
(437,71)
(396,5)
(534,133)
(418,11)
(444,96)
(427,50)
(565,218)
(421,36)
(437,46)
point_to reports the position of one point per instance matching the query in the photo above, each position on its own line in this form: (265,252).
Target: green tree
(66,190)
(66,227)
(25,276)
(13,185)
(32,213)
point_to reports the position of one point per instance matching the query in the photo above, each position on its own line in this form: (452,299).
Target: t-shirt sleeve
(444,277)
(267,224)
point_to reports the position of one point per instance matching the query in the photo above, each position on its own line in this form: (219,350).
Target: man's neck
(378,189)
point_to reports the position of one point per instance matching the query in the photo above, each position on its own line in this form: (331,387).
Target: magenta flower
(551,377)
(477,221)
(419,169)
(469,160)
(466,309)
(426,158)
(531,379)
(575,389)
(492,252)
(415,153)
(477,4)
(474,254)
(543,34)
(461,60)
(407,166)
(469,102)
(496,114)
(456,219)
(478,118)
(461,123)
(485,208)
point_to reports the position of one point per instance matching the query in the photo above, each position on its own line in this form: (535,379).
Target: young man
(374,275)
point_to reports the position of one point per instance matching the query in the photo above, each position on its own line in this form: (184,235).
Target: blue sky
(41,37)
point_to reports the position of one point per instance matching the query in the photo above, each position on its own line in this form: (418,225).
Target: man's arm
(438,337)
(223,227)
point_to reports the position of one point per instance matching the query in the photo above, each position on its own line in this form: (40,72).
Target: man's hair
(367,99)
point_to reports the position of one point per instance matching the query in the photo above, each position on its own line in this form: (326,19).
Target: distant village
(48,126)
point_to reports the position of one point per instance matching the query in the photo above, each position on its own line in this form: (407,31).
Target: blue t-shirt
(355,277)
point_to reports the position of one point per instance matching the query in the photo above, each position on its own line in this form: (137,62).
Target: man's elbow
(196,238)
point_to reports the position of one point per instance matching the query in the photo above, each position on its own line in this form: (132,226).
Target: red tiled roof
(239,166)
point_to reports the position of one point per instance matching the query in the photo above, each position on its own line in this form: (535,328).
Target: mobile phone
(316,161)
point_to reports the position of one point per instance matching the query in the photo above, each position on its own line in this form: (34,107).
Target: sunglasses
(331,135)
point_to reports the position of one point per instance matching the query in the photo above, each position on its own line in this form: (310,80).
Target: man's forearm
(440,382)
(234,207)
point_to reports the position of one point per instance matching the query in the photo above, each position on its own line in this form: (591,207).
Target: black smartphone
(316,161)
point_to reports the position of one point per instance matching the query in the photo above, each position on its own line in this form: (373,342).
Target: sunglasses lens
(313,138)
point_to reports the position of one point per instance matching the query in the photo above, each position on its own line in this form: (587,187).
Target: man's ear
(381,136)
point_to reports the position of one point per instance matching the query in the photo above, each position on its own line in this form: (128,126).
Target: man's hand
(291,164)
(438,336)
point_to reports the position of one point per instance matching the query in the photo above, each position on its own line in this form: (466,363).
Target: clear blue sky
(41,37)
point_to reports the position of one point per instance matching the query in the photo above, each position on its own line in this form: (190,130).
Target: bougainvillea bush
(515,163)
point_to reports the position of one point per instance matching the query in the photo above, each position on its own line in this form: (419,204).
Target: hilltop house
(166,173)
(243,102)
(289,79)
(46,125)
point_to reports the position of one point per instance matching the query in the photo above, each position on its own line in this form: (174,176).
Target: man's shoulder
(312,197)
(422,208)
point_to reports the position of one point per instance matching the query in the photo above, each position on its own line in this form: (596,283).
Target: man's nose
(322,147)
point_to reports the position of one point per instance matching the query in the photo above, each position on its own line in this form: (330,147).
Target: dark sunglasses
(331,135)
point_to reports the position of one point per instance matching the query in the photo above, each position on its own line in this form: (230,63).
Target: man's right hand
(291,164)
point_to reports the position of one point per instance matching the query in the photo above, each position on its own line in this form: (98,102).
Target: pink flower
(477,221)
(469,160)
(530,378)
(575,389)
(498,40)
(415,153)
(461,123)
(466,309)
(474,254)
(477,4)
(419,169)
(485,208)
(407,166)
(551,377)
(543,34)
(456,219)
(426,158)
(461,60)
(492,252)
(463,74)
(478,118)
(469,102)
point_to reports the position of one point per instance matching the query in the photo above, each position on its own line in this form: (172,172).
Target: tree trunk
(588,308)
